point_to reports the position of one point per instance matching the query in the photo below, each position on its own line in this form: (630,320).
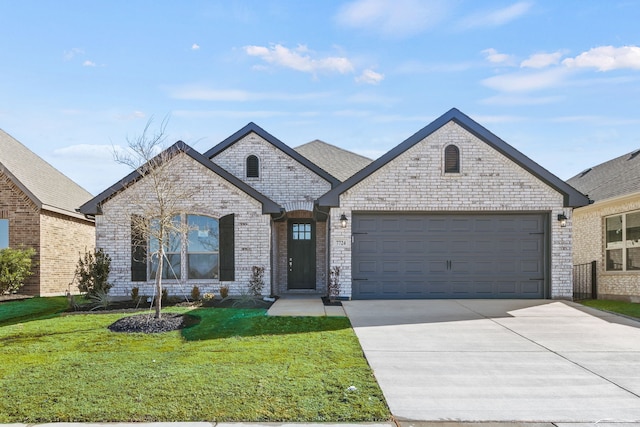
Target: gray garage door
(449,256)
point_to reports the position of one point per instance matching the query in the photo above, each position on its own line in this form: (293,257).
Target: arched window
(451,159)
(253,167)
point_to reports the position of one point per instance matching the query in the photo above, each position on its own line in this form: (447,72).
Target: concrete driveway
(501,360)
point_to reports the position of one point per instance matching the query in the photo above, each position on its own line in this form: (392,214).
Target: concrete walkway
(527,361)
(303,306)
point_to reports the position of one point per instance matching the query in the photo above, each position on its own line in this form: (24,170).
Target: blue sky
(558,80)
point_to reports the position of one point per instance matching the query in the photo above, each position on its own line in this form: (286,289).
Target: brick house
(608,230)
(452,212)
(38,210)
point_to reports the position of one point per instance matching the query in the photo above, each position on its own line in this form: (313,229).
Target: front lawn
(235,365)
(627,308)
(31,309)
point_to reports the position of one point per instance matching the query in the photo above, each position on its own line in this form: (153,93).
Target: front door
(301,254)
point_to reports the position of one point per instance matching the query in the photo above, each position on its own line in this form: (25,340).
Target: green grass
(31,309)
(235,365)
(627,308)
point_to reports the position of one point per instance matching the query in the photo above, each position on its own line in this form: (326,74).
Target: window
(202,247)
(4,233)
(301,232)
(622,242)
(451,159)
(172,263)
(253,167)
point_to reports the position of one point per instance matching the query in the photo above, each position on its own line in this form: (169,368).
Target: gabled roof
(92,207)
(572,198)
(613,178)
(46,186)
(252,127)
(338,162)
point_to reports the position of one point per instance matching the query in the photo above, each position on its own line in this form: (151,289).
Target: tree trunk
(159,283)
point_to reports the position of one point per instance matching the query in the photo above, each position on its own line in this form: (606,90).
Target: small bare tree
(156,208)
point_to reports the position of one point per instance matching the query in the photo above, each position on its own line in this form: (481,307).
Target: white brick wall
(282,179)
(215,197)
(588,245)
(488,181)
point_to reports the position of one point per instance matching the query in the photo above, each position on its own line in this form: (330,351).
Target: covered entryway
(449,255)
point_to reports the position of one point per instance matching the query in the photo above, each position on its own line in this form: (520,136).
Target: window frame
(183,273)
(189,252)
(446,160)
(618,249)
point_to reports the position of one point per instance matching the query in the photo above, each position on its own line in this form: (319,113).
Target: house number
(340,242)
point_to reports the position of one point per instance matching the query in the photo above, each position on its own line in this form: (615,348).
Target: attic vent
(584,172)
(253,167)
(635,153)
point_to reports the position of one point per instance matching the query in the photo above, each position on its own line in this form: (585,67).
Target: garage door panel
(449,256)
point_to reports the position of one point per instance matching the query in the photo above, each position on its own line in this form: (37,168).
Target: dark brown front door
(301,254)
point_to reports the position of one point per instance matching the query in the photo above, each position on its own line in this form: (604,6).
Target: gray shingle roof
(616,177)
(47,187)
(338,162)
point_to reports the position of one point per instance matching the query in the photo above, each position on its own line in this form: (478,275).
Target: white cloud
(541,60)
(70,54)
(607,58)
(88,151)
(494,57)
(299,59)
(526,81)
(370,77)
(88,63)
(205,93)
(398,18)
(521,100)
(495,18)
(195,46)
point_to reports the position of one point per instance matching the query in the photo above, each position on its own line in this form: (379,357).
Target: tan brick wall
(214,197)
(24,226)
(588,245)
(487,181)
(63,239)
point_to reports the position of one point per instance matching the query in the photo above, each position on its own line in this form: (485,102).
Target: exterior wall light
(562,219)
(343,220)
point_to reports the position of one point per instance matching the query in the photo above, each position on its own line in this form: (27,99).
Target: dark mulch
(327,301)
(148,324)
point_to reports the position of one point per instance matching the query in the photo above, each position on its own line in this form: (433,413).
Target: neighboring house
(452,212)
(38,209)
(608,230)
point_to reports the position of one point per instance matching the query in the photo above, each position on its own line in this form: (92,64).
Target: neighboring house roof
(616,177)
(572,197)
(252,127)
(46,186)
(92,207)
(338,162)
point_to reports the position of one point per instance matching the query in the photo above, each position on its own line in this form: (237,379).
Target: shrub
(195,294)
(92,272)
(15,267)
(208,297)
(165,296)
(256,283)
(135,293)
(224,292)
(100,300)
